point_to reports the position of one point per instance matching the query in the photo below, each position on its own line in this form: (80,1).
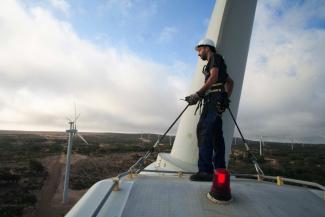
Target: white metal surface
(172,196)
(231,26)
(88,203)
(166,161)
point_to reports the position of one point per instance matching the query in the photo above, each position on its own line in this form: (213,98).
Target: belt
(218,87)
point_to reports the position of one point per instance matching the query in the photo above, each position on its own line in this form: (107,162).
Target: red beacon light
(220,190)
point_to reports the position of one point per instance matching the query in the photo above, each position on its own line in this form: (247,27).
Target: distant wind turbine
(72,133)
(261,144)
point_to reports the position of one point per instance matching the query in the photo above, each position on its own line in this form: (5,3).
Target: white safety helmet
(205,42)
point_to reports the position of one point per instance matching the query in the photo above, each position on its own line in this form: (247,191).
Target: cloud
(61,5)
(283,93)
(167,34)
(45,67)
(128,4)
(129,9)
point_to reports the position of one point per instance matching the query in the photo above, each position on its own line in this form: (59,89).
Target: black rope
(140,162)
(163,136)
(251,156)
(233,118)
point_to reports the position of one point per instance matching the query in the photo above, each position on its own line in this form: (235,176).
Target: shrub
(36,166)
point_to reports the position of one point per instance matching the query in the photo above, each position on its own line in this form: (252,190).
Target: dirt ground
(50,197)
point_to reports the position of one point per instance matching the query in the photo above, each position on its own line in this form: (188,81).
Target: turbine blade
(75,121)
(77,117)
(82,138)
(75,111)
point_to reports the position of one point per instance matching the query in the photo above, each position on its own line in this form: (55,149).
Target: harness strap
(199,106)
(218,87)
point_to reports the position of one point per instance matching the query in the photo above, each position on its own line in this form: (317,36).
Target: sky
(126,64)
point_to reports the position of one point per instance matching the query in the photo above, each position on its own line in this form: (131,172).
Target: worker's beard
(204,56)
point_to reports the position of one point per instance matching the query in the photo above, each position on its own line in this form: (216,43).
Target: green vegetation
(111,154)
(18,186)
(304,162)
(21,172)
(17,147)
(105,143)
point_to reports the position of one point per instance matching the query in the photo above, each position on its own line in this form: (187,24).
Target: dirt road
(50,197)
(54,165)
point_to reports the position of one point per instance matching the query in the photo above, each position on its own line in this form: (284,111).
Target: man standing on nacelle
(214,93)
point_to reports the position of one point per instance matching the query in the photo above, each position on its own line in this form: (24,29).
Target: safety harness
(217,87)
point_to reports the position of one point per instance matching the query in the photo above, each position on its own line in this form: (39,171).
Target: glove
(192,99)
(223,104)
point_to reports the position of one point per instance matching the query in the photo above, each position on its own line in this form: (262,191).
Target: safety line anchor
(116,182)
(279,180)
(259,178)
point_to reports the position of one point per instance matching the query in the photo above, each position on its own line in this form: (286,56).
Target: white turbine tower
(72,132)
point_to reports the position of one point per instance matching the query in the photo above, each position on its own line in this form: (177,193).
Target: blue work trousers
(210,138)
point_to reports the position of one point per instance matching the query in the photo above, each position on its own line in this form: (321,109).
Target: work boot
(202,177)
